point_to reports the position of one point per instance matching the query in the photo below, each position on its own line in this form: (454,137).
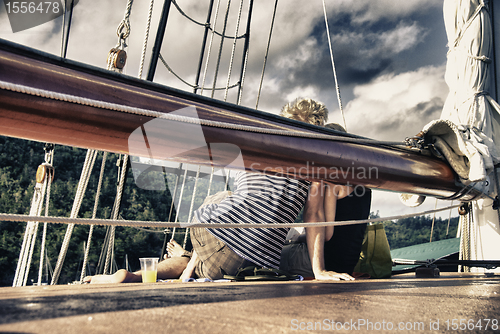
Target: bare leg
(167,269)
(121,276)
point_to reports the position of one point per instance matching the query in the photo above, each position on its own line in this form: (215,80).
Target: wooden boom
(50,120)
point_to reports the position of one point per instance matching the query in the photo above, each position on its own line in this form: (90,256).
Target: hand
(325,275)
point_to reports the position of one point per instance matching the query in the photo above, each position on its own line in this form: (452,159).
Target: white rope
(116,209)
(210,180)
(184,119)
(193,196)
(267,54)
(177,214)
(333,66)
(177,176)
(131,223)
(146,38)
(94,213)
(82,186)
(26,252)
(123,30)
(44,232)
(210,48)
(231,60)
(220,48)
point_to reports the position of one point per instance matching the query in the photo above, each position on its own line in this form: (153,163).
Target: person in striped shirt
(258,198)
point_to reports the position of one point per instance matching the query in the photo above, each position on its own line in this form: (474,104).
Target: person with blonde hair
(306,110)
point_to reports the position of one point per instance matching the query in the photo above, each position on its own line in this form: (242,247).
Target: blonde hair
(306,110)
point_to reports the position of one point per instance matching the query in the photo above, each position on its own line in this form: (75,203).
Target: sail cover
(476,115)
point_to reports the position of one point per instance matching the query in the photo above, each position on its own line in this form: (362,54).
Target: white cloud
(393,107)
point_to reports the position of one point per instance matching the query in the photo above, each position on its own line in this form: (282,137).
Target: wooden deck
(402,302)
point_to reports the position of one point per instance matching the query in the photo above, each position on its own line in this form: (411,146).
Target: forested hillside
(19,160)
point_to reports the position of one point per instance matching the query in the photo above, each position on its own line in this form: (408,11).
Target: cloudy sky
(390,58)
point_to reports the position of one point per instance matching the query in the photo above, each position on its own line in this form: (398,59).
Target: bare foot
(121,276)
(174,249)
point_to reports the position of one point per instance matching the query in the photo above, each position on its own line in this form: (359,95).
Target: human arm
(315,236)
(189,271)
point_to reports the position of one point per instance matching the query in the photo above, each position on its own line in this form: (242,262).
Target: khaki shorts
(216,259)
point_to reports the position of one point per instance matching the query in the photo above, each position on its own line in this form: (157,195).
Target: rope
(267,53)
(333,66)
(177,118)
(180,202)
(82,186)
(220,48)
(210,48)
(231,60)
(433,220)
(123,30)
(207,25)
(116,209)
(187,83)
(210,181)
(192,204)
(146,38)
(44,232)
(29,239)
(135,223)
(94,213)
(175,192)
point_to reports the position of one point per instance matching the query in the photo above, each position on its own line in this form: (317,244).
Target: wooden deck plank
(252,307)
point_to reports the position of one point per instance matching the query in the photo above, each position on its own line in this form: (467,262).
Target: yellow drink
(149,276)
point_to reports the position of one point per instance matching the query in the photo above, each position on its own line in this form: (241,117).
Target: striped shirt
(262,199)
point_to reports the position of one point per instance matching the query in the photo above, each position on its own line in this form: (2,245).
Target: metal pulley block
(42,172)
(117,57)
(463,209)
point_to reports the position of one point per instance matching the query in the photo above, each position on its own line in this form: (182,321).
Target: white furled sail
(477,115)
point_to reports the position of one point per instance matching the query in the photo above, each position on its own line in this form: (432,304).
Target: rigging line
(131,223)
(216,72)
(203,45)
(337,88)
(267,53)
(210,47)
(177,118)
(178,211)
(82,186)
(433,220)
(231,60)
(146,38)
(193,197)
(44,232)
(187,83)
(245,53)
(123,30)
(65,41)
(94,213)
(207,25)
